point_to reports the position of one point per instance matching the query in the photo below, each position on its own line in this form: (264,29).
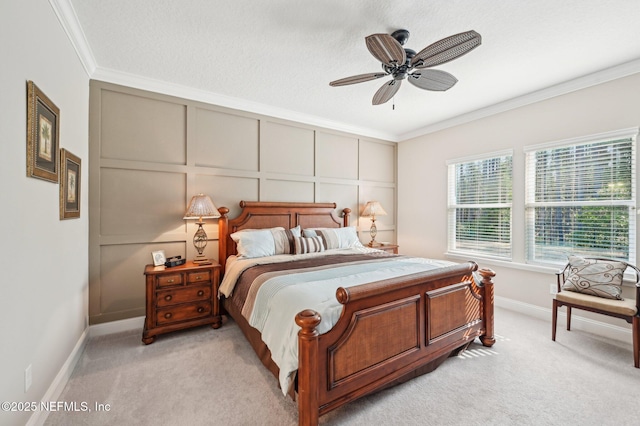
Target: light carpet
(210,377)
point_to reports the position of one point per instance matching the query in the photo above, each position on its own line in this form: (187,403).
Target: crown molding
(608,74)
(158,86)
(67,17)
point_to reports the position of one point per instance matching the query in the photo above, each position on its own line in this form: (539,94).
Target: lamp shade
(201,207)
(373,209)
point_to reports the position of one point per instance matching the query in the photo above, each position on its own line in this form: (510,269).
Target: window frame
(530,204)
(453,206)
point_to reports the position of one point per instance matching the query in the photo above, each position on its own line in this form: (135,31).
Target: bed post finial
(487,339)
(308,407)
(345,216)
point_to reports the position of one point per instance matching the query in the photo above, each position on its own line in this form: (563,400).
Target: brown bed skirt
(253,336)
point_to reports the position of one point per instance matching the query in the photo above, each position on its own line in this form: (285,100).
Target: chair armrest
(560,277)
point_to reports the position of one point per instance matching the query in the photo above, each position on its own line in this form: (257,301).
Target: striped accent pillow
(335,238)
(283,239)
(308,245)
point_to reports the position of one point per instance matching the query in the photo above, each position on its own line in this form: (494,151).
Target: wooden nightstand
(391,248)
(180,297)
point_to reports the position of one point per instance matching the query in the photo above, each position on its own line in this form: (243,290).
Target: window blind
(479,206)
(580,199)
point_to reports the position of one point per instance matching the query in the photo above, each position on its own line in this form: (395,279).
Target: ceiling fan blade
(432,80)
(446,49)
(386,92)
(358,79)
(386,49)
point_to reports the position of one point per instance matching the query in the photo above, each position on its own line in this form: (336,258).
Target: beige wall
(422,214)
(43,302)
(150,153)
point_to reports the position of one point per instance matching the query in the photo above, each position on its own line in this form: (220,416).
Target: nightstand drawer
(169,280)
(183,295)
(199,276)
(183,312)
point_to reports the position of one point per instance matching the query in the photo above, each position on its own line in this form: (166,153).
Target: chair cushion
(624,307)
(596,277)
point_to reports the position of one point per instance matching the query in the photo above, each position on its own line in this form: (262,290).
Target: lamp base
(201,260)
(374,243)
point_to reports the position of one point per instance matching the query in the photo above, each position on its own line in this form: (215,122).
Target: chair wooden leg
(554,320)
(568,317)
(636,341)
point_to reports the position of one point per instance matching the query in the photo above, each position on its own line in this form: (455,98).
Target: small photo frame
(43,129)
(70,176)
(158,258)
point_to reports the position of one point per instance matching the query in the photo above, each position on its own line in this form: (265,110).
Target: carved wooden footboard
(388,330)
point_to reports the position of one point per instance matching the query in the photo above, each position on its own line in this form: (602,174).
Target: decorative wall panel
(139,128)
(286,149)
(226,141)
(150,153)
(337,156)
(141,202)
(377,161)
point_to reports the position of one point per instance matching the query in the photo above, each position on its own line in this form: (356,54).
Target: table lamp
(372,209)
(201,207)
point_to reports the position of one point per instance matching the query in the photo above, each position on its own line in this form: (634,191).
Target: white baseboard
(577,322)
(60,381)
(113,327)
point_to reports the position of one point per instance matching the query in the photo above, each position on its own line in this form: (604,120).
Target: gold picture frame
(43,130)
(70,177)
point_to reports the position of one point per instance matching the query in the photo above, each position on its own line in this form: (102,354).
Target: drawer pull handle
(168,297)
(198,277)
(200,310)
(200,293)
(170,281)
(167,315)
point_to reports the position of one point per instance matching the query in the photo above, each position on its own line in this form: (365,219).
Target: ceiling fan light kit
(402,63)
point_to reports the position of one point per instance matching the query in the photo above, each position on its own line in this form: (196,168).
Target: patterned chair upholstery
(594,284)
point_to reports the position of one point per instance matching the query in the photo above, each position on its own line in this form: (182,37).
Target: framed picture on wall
(43,123)
(70,174)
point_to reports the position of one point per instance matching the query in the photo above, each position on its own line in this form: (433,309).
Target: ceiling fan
(402,63)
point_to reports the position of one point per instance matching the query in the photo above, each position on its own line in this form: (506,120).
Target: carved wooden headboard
(263,214)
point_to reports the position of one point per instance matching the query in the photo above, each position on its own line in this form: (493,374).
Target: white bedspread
(279,299)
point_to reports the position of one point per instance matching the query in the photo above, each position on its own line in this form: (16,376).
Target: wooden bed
(390,331)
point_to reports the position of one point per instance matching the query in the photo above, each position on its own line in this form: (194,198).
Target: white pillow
(265,242)
(254,243)
(335,238)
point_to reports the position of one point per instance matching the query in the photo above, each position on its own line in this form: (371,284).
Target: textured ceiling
(280,55)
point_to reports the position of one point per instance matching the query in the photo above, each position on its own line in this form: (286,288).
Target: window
(580,198)
(480,205)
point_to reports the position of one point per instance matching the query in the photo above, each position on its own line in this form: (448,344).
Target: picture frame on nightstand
(158,257)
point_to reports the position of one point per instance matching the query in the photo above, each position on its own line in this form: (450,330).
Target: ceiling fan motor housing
(400,72)
(401,36)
